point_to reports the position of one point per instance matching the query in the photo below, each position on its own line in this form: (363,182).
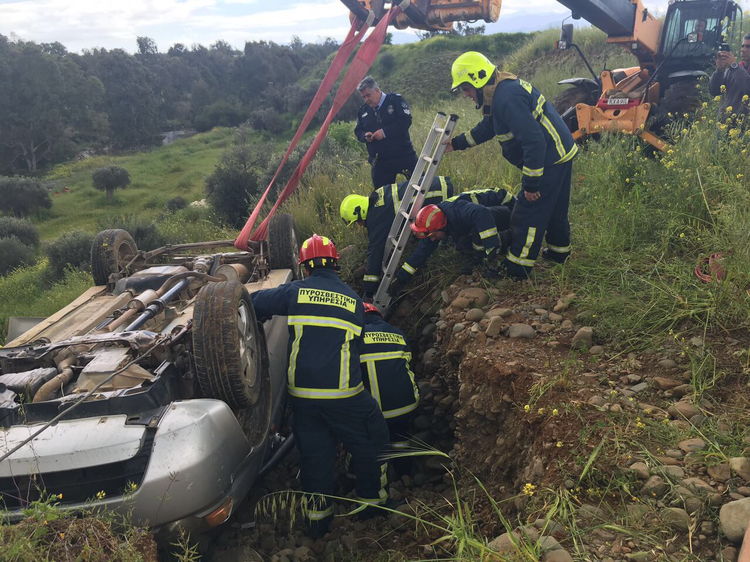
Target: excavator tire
(679,99)
(569,99)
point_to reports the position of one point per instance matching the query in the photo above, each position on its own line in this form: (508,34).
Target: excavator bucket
(430,15)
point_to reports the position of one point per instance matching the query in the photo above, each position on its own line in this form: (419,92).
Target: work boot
(554,257)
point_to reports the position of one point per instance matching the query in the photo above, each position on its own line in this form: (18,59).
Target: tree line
(55,104)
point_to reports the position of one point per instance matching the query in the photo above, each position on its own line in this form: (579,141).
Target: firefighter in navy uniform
(376,214)
(533,138)
(385,358)
(324,380)
(383,124)
(457,219)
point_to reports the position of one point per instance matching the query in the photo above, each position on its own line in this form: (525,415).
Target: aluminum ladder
(419,185)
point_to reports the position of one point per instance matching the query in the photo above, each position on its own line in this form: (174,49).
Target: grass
(178,169)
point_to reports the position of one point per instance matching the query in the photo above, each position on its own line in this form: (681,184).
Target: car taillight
(220,514)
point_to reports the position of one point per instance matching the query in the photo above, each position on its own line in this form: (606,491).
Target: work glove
(396,287)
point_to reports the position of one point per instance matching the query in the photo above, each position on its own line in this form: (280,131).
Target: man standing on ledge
(383,123)
(534,138)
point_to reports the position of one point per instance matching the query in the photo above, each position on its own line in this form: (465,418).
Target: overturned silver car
(165,391)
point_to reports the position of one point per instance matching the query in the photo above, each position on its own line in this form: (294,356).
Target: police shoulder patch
(390,109)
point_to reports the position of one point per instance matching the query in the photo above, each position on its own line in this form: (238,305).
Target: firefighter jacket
(394,117)
(384,204)
(326,320)
(464,218)
(531,133)
(489,197)
(385,358)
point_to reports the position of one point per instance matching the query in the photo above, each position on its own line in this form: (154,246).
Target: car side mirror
(566,37)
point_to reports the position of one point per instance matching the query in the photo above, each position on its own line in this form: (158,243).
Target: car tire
(111,251)
(283,245)
(229,351)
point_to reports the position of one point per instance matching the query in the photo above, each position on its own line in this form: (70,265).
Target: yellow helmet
(471,67)
(354,208)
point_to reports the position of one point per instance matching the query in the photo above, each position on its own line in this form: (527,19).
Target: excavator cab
(429,15)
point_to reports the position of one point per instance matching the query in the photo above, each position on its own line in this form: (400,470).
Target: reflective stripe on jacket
(385,358)
(326,319)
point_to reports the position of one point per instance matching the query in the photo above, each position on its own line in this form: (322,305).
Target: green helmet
(473,68)
(354,208)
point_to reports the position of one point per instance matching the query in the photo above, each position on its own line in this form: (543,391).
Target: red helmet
(429,219)
(372,308)
(317,246)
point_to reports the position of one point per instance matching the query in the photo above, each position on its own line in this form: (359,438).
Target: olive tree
(110,178)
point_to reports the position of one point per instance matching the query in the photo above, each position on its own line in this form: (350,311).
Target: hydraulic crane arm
(616,18)
(428,14)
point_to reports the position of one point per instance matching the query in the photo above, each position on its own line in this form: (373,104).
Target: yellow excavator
(672,55)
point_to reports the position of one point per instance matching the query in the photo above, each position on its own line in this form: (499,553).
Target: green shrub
(22,197)
(269,120)
(72,249)
(14,254)
(22,229)
(176,203)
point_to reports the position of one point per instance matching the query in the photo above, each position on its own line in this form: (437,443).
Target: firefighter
(383,124)
(376,214)
(457,219)
(324,380)
(385,359)
(533,138)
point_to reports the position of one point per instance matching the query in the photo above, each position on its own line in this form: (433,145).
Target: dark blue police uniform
(324,381)
(381,211)
(535,139)
(394,154)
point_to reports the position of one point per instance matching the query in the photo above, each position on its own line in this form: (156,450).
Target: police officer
(533,138)
(326,320)
(459,219)
(386,374)
(383,123)
(376,213)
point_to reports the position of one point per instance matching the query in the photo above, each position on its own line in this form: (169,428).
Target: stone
(398,517)
(268,543)
(697,341)
(720,472)
(675,471)
(428,330)
(502,544)
(640,469)
(547,544)
(592,513)
(445,296)
(704,489)
(559,555)
(692,445)
(431,356)
(596,350)
(678,519)
(597,401)
(476,296)
(302,553)
(241,553)
(640,387)
(475,315)
(499,312)
(683,410)
(459,303)
(639,557)
(663,383)
(691,503)
(554,317)
(521,331)
(567,325)
(583,338)
(744,490)
(734,517)
(729,554)
(682,390)
(458,327)
(741,467)
(637,511)
(494,327)
(654,487)
(669,461)
(667,363)
(708,527)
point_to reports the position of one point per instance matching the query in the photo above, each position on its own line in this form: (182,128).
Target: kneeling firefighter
(376,213)
(533,138)
(328,399)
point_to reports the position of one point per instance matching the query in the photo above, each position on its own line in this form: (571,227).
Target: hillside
(597,412)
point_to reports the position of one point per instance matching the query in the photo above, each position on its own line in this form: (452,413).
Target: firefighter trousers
(544,219)
(357,422)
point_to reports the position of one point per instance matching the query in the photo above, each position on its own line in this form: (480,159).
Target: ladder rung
(405,215)
(440,129)
(427,158)
(393,240)
(415,186)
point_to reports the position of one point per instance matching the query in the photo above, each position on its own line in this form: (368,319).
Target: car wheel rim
(249,351)
(125,254)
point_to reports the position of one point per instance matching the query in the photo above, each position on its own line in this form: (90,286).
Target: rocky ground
(582,449)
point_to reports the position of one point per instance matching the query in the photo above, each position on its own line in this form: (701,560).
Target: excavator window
(701,18)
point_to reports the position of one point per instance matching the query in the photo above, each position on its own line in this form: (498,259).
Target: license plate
(618,101)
